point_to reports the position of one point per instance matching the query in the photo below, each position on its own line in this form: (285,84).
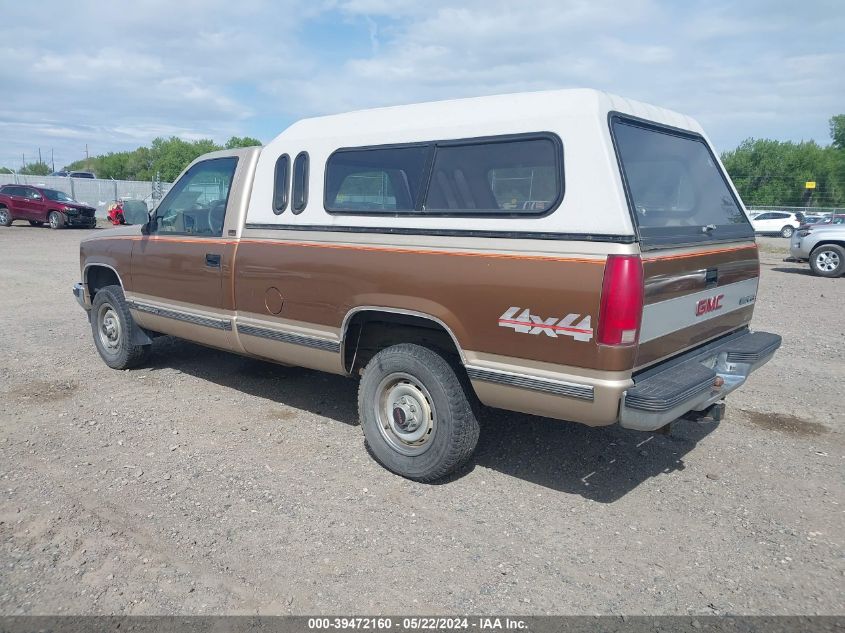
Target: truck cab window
(280,184)
(300,182)
(196,205)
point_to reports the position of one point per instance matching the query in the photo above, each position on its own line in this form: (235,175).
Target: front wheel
(56,220)
(416,416)
(828,260)
(112,325)
(5,217)
(787,231)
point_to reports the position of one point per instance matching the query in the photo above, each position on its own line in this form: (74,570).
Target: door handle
(212,260)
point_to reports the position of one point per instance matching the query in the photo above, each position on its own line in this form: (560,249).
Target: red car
(39,205)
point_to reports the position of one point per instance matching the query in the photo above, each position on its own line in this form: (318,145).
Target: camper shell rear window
(677,192)
(501,176)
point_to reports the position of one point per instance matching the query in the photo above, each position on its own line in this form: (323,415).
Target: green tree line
(766,172)
(770,173)
(165,156)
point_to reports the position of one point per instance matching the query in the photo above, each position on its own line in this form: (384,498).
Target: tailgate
(695,295)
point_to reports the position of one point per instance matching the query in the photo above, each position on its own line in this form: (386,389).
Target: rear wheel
(112,325)
(56,220)
(5,217)
(36,223)
(787,231)
(417,419)
(828,260)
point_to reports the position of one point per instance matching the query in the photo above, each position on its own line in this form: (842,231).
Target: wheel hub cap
(405,414)
(827,261)
(109,328)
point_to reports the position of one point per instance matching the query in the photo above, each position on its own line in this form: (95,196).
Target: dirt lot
(210,483)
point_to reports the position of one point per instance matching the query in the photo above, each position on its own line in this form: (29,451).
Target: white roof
(594,199)
(426,120)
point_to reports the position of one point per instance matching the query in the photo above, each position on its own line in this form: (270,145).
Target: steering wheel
(216,216)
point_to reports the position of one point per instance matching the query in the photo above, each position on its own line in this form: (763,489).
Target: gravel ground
(209,483)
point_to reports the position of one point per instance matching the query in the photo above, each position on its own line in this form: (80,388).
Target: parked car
(823,245)
(430,250)
(60,174)
(38,205)
(812,219)
(838,218)
(82,174)
(777,222)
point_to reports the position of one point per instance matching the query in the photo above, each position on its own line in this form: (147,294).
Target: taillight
(621,308)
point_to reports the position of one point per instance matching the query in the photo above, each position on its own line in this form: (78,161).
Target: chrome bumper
(81,294)
(694,381)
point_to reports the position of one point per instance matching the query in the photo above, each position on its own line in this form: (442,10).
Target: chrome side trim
(289,337)
(546,385)
(179,315)
(422,315)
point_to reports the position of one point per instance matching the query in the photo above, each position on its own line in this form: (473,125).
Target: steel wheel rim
(109,328)
(405,414)
(828,261)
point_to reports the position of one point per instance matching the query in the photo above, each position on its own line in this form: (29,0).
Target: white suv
(776,222)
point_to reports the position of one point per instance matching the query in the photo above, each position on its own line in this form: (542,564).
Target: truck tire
(787,231)
(112,325)
(417,419)
(56,220)
(828,260)
(5,217)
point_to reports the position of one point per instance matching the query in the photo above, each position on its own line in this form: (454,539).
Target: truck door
(181,268)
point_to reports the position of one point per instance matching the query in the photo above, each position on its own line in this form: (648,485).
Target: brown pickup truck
(569,254)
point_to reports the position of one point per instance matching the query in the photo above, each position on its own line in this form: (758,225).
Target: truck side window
(510,175)
(376,180)
(196,205)
(280,184)
(513,176)
(300,182)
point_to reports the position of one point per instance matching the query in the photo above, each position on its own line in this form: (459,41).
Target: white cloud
(115,75)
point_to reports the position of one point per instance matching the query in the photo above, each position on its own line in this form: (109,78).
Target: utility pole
(39,155)
(86,156)
(52,159)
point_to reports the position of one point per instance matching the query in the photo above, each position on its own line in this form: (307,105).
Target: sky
(115,75)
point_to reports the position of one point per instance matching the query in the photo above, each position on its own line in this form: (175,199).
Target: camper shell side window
(501,176)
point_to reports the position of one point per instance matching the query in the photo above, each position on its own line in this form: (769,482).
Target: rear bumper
(694,381)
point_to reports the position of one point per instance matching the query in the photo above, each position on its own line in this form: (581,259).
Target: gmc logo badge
(709,305)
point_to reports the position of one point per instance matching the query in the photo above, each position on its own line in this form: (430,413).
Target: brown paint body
(468,291)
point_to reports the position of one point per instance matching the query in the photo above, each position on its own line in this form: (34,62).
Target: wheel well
(98,277)
(826,242)
(370,331)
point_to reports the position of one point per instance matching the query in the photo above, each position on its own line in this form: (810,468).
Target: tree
(242,141)
(36,169)
(774,173)
(165,156)
(837,131)
(6,170)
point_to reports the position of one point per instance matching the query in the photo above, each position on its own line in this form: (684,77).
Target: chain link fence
(94,192)
(804,210)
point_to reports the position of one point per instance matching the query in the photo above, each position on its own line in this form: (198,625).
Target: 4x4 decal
(527,323)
